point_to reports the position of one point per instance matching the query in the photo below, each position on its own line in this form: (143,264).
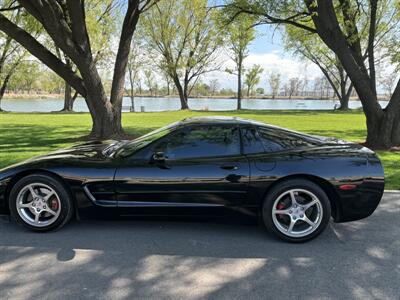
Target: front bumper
(3,200)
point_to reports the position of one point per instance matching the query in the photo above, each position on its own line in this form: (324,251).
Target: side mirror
(158,157)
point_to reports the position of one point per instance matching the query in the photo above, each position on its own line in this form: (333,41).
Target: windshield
(131,147)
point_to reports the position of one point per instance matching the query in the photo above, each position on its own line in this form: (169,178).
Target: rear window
(274,140)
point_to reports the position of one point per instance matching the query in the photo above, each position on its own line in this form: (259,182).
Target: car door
(200,166)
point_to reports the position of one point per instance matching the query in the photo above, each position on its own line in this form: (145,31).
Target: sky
(268,51)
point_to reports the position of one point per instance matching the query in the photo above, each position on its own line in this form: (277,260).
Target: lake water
(163,104)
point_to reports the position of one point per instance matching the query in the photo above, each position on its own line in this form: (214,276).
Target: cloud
(271,62)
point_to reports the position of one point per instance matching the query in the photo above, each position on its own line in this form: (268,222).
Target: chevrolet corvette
(293,182)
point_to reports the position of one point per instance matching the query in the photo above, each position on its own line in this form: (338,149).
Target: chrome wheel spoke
(32,191)
(50,211)
(308,221)
(291,225)
(281,212)
(25,205)
(49,195)
(293,198)
(37,216)
(308,205)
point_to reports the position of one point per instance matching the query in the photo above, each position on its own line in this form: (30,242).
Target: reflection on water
(161,104)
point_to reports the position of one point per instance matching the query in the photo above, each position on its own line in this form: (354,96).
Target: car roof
(215,120)
(218,120)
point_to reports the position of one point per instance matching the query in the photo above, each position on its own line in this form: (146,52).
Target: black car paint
(104,186)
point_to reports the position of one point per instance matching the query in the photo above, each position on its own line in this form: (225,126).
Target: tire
(43,195)
(309,220)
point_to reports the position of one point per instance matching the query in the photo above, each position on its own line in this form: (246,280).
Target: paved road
(181,260)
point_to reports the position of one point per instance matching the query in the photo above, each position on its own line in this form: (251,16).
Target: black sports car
(294,182)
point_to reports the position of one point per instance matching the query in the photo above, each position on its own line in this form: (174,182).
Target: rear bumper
(362,202)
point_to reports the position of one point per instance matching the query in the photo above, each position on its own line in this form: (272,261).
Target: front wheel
(296,210)
(40,203)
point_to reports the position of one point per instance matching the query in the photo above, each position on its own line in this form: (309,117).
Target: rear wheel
(40,203)
(296,210)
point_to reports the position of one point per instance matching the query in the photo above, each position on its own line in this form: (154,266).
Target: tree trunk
(4,85)
(106,120)
(68,100)
(132,89)
(182,94)
(383,127)
(344,95)
(106,116)
(132,102)
(383,132)
(239,87)
(344,102)
(1,98)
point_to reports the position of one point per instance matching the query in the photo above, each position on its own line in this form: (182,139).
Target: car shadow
(192,260)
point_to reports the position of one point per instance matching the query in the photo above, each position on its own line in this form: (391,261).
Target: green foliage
(31,76)
(274,81)
(239,33)
(253,78)
(101,23)
(26,75)
(260,90)
(11,53)
(184,35)
(25,135)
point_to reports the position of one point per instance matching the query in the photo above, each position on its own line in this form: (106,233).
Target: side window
(251,142)
(202,141)
(277,140)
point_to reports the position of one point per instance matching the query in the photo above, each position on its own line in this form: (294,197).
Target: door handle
(229,167)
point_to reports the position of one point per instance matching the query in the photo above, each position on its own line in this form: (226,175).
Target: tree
(274,81)
(253,78)
(184,34)
(240,33)
(11,54)
(101,26)
(149,80)
(26,74)
(310,47)
(10,58)
(214,85)
(294,85)
(65,23)
(168,82)
(339,26)
(136,60)
(388,81)
(260,90)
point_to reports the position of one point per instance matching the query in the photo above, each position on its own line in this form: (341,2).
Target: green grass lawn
(25,135)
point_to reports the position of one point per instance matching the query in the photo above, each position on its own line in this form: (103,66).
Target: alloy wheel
(38,205)
(297,212)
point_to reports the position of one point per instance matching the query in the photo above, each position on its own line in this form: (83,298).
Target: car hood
(90,151)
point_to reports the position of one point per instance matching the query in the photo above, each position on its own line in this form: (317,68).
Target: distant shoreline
(261,97)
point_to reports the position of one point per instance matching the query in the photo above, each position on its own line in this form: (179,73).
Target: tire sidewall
(63,195)
(295,184)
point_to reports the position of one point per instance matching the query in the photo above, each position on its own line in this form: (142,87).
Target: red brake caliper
(280,206)
(54,204)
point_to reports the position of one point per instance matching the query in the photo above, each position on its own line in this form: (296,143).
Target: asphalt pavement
(155,259)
